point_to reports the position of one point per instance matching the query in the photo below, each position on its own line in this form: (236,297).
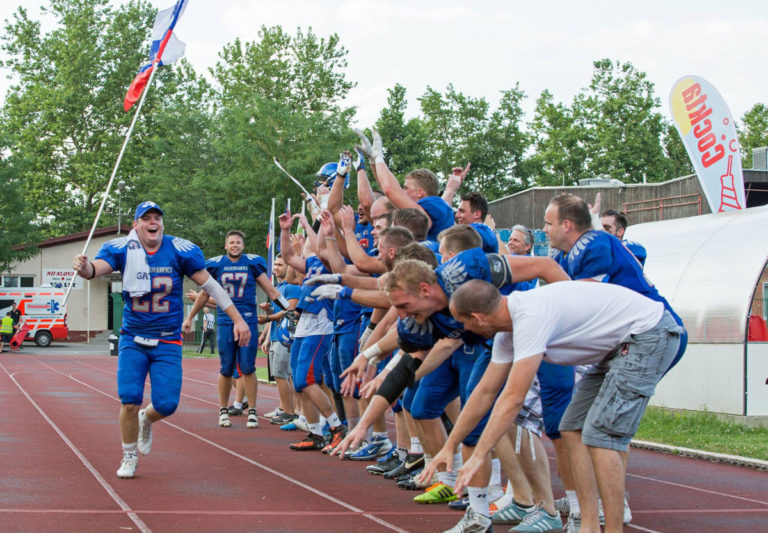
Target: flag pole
(114,172)
(272,243)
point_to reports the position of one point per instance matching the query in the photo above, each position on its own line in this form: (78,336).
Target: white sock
(131,448)
(402,453)
(380,435)
(238,405)
(316,428)
(369,434)
(334,420)
(447,478)
(478,500)
(573,502)
(510,489)
(458,462)
(303,419)
(416,445)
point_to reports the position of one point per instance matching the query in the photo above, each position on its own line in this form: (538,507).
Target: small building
(90,305)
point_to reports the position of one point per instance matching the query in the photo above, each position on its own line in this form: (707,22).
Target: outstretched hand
(285,220)
(347,215)
(443,458)
(365,145)
(321,279)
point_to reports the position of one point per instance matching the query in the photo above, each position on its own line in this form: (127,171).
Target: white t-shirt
(573,322)
(313,324)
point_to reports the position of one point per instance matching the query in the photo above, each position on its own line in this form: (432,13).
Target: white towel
(136,273)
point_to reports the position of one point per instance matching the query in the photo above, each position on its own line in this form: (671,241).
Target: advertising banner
(709,134)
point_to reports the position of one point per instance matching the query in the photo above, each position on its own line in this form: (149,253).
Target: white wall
(757,373)
(709,376)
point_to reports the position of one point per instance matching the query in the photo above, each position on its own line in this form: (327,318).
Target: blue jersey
(363,235)
(238,278)
(159,313)
(290,292)
(638,250)
(490,243)
(439,212)
(433,246)
(464,266)
(314,266)
(600,255)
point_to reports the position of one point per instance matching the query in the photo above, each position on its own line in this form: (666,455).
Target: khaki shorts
(280,360)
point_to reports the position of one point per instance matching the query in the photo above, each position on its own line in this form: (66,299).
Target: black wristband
(93,274)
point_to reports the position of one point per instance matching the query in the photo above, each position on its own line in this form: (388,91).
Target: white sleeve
(503,351)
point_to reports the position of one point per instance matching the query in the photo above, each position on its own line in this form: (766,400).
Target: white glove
(364,336)
(342,168)
(321,279)
(377,152)
(327,292)
(365,145)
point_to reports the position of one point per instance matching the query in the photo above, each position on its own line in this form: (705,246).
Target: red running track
(60,450)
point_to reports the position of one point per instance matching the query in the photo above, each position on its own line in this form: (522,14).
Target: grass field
(703,431)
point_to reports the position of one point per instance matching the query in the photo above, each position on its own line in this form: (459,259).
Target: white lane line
(643,528)
(250,461)
(103,482)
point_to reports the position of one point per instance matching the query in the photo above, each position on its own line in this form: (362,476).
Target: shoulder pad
(453,274)
(216,259)
(183,245)
(500,274)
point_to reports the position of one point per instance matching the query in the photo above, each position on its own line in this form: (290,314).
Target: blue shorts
(230,352)
(162,363)
(557,383)
(343,352)
(438,388)
(307,354)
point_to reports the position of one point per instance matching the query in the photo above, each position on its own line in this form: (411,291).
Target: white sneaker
(274,412)
(145,433)
(224,417)
(302,424)
(472,522)
(627,512)
(253,419)
(128,465)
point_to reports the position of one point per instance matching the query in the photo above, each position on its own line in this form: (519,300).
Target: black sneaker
(382,467)
(310,442)
(234,411)
(245,405)
(282,419)
(412,463)
(410,483)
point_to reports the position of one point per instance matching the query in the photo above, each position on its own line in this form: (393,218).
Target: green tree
(406,141)
(753,132)
(624,126)
(65,111)
(560,155)
(463,129)
(16,228)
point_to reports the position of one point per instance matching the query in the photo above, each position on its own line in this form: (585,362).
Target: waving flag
(166,49)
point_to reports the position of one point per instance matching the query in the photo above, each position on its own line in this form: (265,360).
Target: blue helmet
(327,171)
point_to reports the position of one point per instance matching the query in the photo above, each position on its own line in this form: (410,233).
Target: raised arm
(336,196)
(363,261)
(364,190)
(286,248)
(525,268)
(455,181)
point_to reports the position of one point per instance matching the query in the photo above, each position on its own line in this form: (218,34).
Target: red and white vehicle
(41,310)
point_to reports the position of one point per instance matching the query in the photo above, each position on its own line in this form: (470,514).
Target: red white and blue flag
(166,49)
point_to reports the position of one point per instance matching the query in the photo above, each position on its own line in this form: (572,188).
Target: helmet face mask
(327,174)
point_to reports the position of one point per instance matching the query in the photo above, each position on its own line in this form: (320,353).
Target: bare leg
(609,469)
(433,435)
(537,471)
(401,431)
(251,387)
(583,473)
(225,385)
(563,465)
(319,399)
(285,391)
(240,390)
(129,422)
(510,463)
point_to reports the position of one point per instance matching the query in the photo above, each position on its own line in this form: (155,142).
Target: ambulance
(41,310)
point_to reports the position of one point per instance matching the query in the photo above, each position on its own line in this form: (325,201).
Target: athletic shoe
(385,464)
(627,511)
(145,433)
(501,503)
(539,521)
(412,463)
(274,412)
(337,435)
(437,493)
(573,525)
(409,482)
(302,424)
(563,506)
(472,522)
(128,465)
(224,418)
(235,411)
(290,426)
(282,419)
(376,448)
(310,442)
(351,451)
(253,419)
(459,505)
(512,514)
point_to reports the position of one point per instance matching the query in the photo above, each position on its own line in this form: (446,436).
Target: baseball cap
(143,207)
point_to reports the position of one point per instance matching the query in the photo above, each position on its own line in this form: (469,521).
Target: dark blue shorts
(230,352)
(162,363)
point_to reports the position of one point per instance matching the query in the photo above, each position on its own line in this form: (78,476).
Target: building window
(18,281)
